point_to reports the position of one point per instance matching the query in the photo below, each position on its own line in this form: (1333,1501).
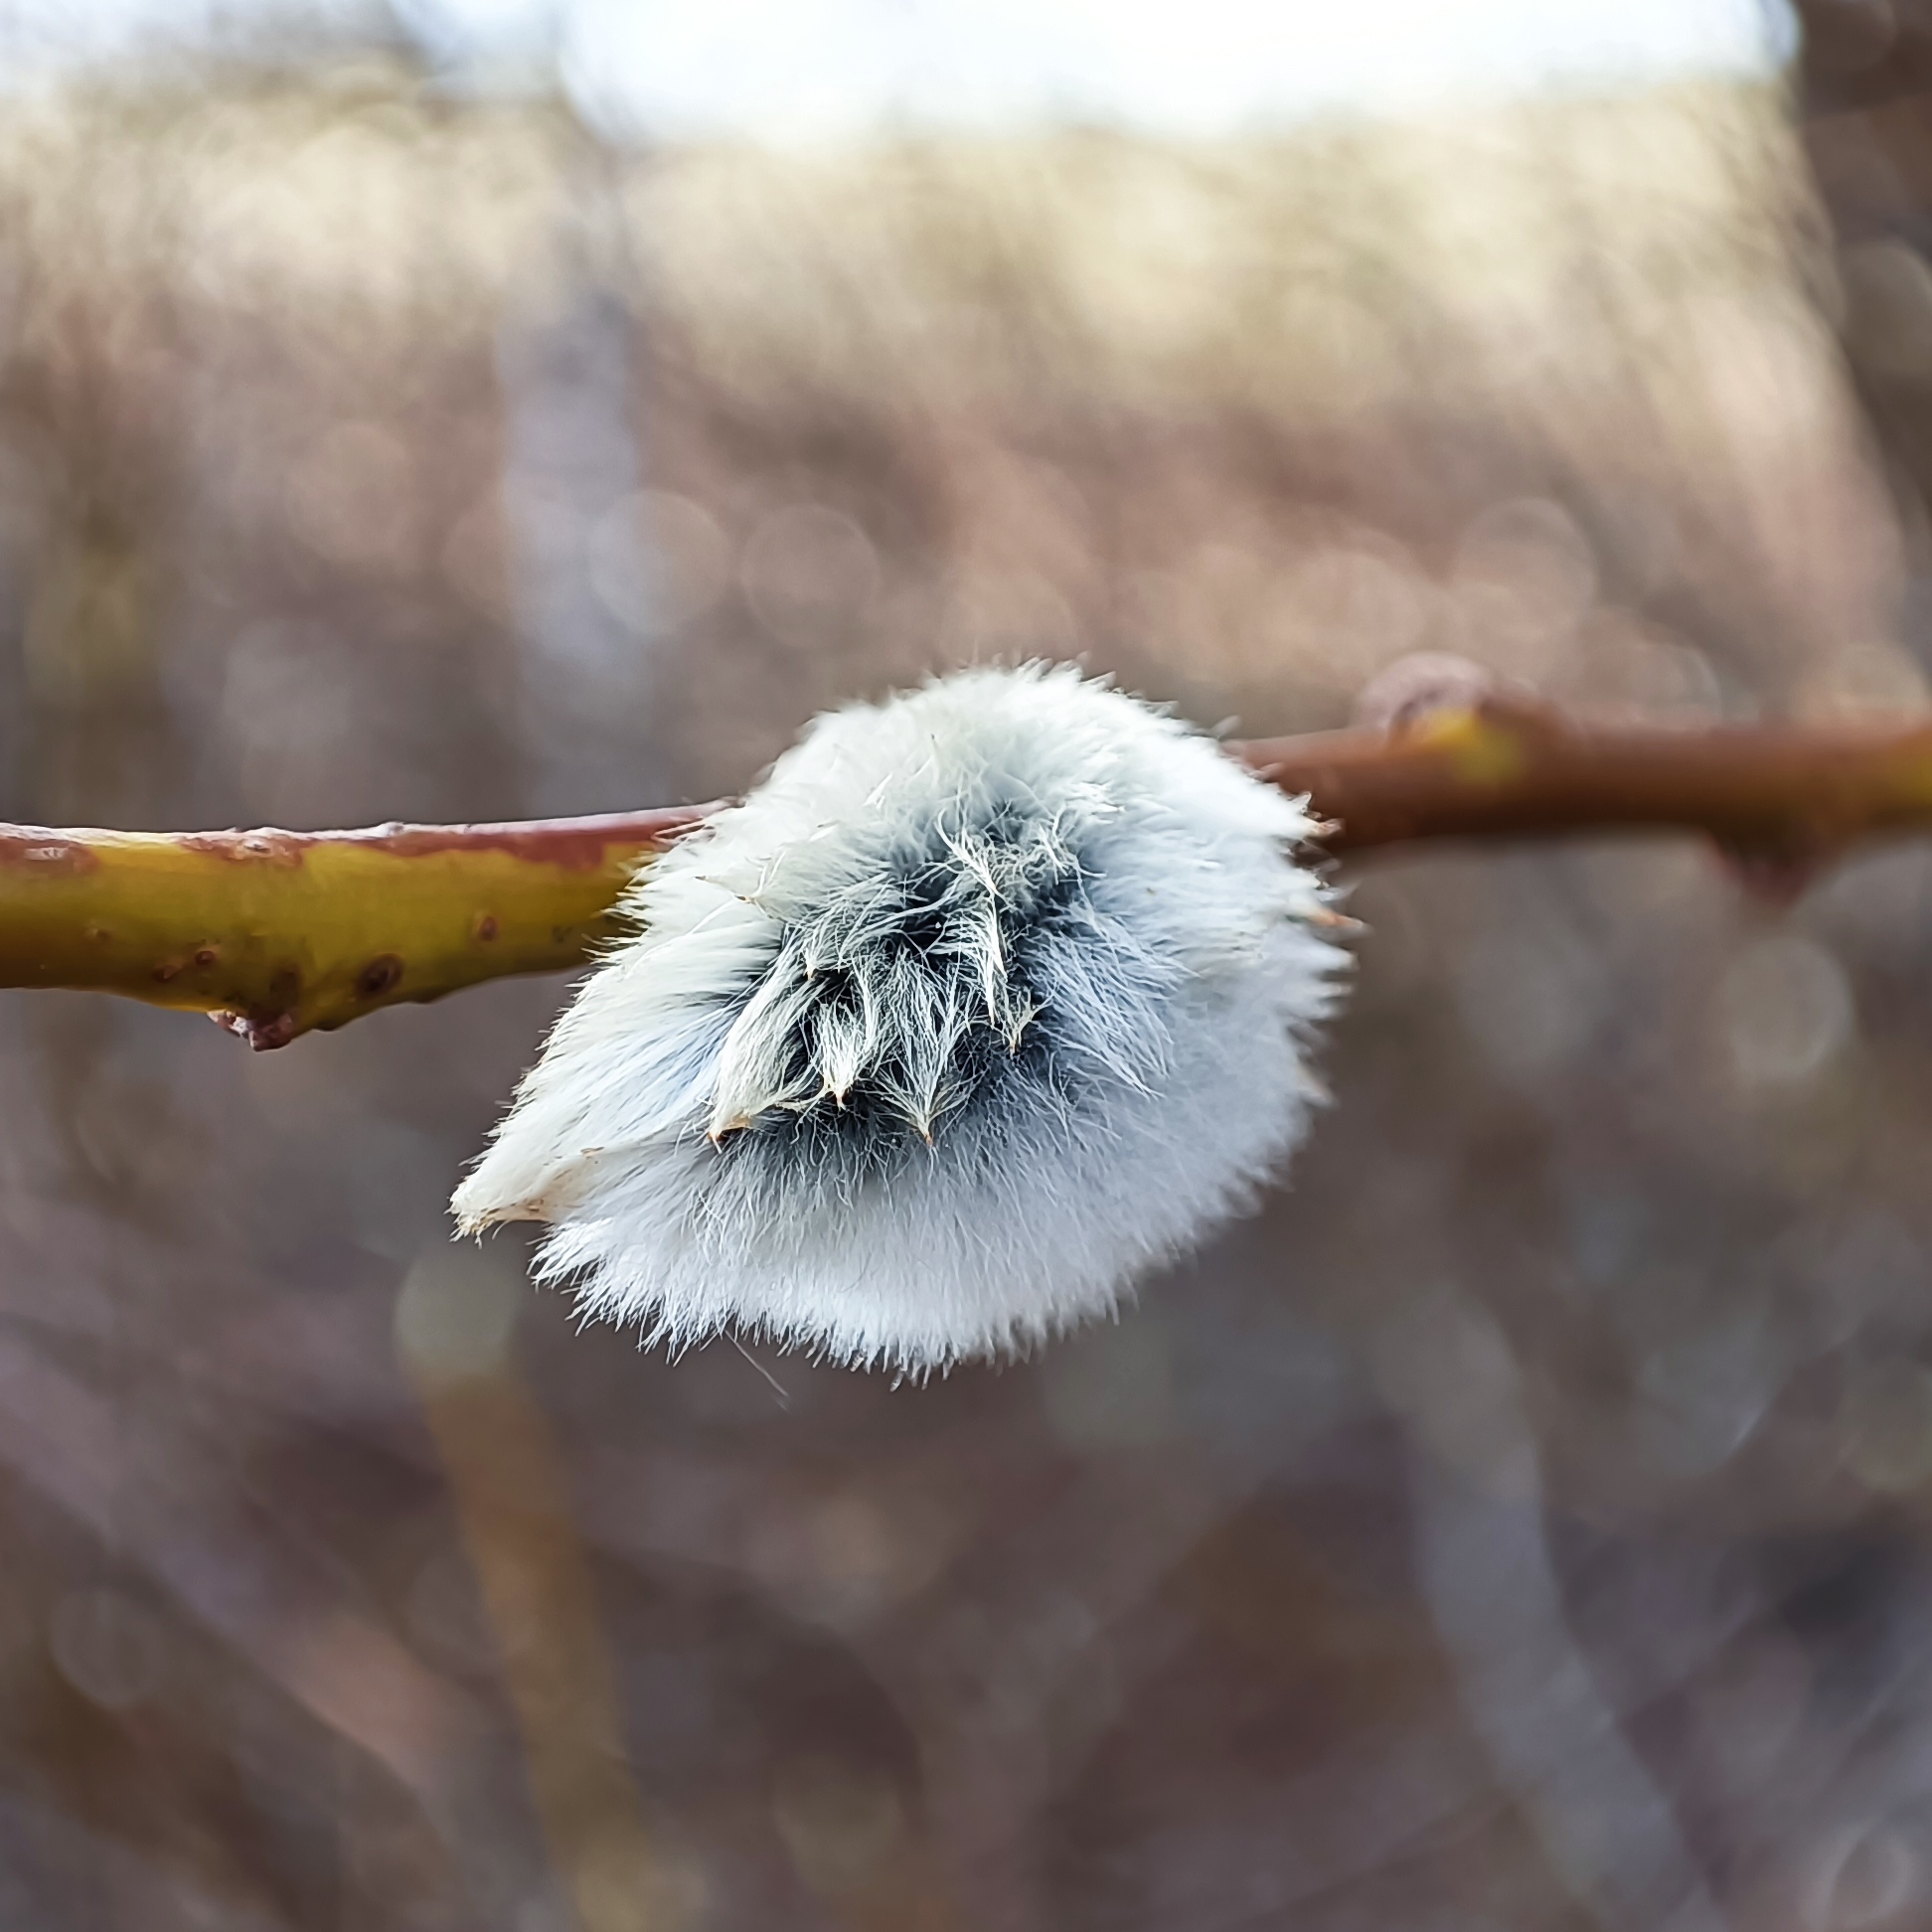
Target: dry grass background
(1520,1525)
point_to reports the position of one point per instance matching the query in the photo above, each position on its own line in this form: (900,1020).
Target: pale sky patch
(828,68)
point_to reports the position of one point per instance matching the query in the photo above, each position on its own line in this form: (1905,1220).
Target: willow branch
(1772,795)
(281,933)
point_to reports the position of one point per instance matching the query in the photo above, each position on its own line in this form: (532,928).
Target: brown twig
(1504,769)
(280,934)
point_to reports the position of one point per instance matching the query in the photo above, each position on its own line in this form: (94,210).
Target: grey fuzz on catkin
(990,998)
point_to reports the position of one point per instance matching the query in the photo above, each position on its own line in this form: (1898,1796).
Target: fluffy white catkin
(989,998)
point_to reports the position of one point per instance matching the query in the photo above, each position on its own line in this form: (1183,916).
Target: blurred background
(480,410)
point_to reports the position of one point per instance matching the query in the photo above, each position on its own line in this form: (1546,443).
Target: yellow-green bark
(281,933)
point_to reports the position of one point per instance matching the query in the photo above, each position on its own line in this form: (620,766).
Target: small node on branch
(380,976)
(262,1034)
(1402,694)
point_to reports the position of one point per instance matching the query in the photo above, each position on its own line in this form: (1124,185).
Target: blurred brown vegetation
(1521,1524)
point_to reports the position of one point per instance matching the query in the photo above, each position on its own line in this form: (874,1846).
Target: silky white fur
(990,998)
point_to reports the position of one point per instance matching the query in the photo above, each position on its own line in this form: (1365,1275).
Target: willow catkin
(988,998)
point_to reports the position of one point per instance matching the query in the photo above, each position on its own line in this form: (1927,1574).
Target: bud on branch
(281,933)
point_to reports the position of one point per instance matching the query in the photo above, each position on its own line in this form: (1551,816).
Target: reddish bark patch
(573,845)
(41,853)
(266,846)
